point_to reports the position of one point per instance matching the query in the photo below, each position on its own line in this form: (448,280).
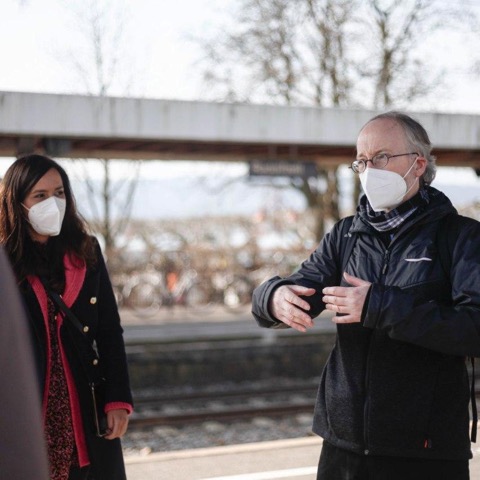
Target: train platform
(178,315)
(281,459)
(294,459)
(180,325)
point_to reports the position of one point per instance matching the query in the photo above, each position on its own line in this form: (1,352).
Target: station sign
(282,168)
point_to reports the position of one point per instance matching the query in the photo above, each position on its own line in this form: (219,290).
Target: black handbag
(98,401)
(89,359)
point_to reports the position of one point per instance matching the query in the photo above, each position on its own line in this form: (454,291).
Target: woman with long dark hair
(53,255)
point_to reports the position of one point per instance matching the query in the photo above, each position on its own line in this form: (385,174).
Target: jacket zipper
(386,259)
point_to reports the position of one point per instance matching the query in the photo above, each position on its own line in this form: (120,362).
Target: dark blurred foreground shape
(22,448)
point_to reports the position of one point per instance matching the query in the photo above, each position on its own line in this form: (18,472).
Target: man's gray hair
(417,136)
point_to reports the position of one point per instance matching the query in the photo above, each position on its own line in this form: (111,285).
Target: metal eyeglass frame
(378,161)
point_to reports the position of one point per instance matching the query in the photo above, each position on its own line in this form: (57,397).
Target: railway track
(222,405)
(227,405)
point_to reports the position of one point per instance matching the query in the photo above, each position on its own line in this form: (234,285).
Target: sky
(39,42)
(38,39)
(34,34)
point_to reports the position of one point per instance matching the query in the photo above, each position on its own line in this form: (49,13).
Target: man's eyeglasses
(378,161)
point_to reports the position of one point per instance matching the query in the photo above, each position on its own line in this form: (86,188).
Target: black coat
(23,453)
(96,308)
(396,384)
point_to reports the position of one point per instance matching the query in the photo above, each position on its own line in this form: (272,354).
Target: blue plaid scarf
(386,221)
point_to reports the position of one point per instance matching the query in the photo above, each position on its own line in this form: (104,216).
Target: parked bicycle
(148,291)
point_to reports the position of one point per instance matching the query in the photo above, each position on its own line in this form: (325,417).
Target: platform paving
(294,459)
(282,459)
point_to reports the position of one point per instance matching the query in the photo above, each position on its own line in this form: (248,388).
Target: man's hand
(286,305)
(348,301)
(117,421)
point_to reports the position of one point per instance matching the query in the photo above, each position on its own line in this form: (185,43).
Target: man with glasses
(402,277)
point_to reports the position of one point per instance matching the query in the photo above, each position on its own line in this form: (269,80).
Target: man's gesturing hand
(348,301)
(286,305)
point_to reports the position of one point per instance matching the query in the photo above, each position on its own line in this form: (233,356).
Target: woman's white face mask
(46,217)
(384,189)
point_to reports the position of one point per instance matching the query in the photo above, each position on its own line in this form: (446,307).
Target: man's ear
(421,166)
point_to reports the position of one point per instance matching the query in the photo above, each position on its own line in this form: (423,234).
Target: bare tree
(327,40)
(398,75)
(101,61)
(288,52)
(327,53)
(263,40)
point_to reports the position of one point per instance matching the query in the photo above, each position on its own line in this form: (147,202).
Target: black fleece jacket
(397,384)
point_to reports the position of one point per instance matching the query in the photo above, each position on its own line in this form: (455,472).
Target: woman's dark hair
(18,181)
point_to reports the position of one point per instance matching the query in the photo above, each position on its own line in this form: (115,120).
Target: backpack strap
(447,234)
(473,432)
(346,243)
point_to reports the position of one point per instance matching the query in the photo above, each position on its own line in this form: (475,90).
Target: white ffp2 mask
(46,217)
(384,189)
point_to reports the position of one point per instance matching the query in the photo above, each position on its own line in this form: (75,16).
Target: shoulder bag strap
(63,307)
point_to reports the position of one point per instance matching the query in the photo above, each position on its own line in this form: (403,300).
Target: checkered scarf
(386,221)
